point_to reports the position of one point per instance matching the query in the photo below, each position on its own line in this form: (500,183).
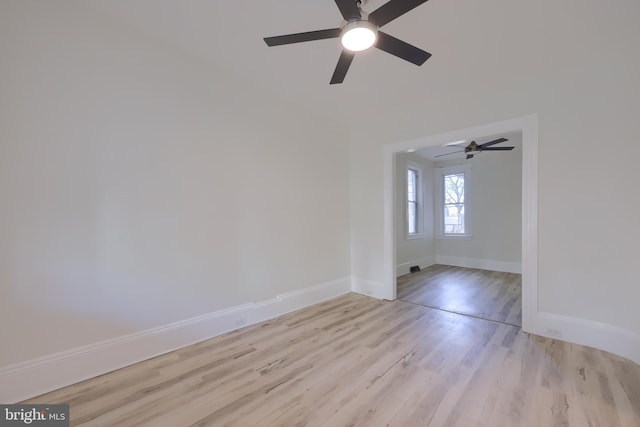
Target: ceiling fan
(474,148)
(360,31)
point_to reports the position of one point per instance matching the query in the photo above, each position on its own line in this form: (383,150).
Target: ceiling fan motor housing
(472,148)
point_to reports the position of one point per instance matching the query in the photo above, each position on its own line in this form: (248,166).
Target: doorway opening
(457,220)
(527,128)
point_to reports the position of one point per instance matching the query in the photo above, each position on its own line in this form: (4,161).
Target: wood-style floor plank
(481,293)
(357,361)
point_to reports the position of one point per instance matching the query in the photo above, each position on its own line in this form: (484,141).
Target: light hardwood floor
(357,361)
(486,294)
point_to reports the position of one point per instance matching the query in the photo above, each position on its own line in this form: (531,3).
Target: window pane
(454,188)
(411,218)
(411,185)
(454,219)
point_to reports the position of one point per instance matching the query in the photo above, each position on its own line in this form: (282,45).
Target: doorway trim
(528,125)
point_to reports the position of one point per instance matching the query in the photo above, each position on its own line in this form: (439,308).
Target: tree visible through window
(412,201)
(454,204)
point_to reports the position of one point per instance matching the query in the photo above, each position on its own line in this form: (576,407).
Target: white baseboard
(613,339)
(404,268)
(32,378)
(368,287)
(484,264)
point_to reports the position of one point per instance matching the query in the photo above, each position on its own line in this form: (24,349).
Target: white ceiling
(480,49)
(229,34)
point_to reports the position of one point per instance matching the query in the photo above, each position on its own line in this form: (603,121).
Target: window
(453,201)
(414,201)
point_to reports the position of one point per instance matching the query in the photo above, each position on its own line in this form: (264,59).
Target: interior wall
(140,186)
(495,212)
(575,64)
(419,250)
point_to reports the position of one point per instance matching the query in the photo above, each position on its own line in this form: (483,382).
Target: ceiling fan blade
(495,141)
(453,144)
(303,37)
(348,9)
(469,156)
(344,62)
(497,149)
(448,154)
(401,49)
(391,10)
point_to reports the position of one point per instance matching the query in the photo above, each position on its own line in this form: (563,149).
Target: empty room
(458,227)
(327,213)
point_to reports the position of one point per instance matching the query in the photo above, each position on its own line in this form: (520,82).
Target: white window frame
(419,201)
(468,210)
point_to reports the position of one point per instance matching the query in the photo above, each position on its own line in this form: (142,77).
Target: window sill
(454,237)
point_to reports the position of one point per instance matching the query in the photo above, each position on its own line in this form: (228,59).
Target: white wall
(139,186)
(575,63)
(419,250)
(495,213)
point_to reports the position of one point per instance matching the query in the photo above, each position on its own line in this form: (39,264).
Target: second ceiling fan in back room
(360,31)
(475,148)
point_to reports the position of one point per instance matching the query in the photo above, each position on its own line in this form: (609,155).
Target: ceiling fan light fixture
(359,35)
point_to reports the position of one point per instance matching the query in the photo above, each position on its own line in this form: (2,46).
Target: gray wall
(420,250)
(495,213)
(140,186)
(575,64)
